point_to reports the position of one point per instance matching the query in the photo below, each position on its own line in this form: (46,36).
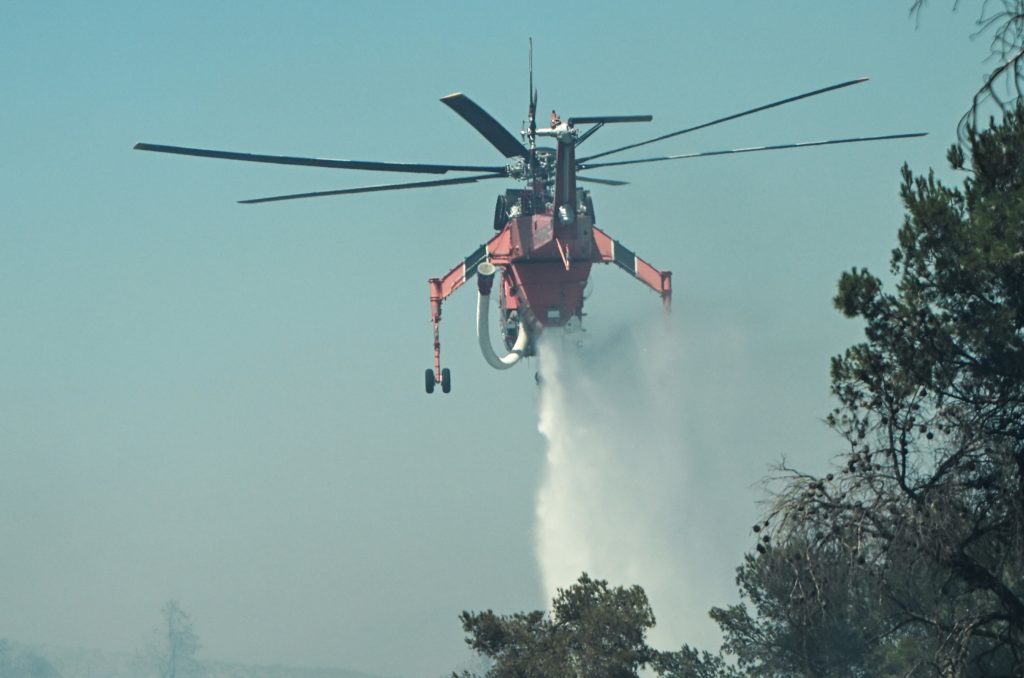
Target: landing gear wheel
(446,380)
(430,380)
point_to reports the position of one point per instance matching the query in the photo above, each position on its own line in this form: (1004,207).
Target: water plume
(618,498)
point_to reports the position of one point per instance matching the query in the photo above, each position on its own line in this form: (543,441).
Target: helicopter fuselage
(545,247)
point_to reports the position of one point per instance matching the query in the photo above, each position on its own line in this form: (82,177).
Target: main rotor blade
(594,119)
(373,189)
(606,182)
(729,117)
(802,144)
(490,128)
(318,162)
(586,135)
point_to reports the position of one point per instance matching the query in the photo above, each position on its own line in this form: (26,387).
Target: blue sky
(223,403)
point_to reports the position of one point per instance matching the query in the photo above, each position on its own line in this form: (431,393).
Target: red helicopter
(547,238)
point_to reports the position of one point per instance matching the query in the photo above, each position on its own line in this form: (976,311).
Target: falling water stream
(617,499)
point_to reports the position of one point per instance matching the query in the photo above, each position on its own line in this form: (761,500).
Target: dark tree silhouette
(1003,20)
(928,502)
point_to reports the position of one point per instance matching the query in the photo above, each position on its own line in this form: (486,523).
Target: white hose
(483,302)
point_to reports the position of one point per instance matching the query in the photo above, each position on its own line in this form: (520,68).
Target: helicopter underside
(545,263)
(545,270)
(541,294)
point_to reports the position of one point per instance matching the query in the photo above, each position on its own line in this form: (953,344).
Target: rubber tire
(430,380)
(500,213)
(446,380)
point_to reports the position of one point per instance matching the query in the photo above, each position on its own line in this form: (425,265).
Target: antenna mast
(533,106)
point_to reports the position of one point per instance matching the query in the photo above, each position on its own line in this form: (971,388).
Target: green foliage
(593,631)
(814,616)
(926,510)
(691,663)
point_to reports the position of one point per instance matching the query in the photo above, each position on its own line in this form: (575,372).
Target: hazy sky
(224,404)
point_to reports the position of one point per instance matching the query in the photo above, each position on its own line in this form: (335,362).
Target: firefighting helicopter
(547,239)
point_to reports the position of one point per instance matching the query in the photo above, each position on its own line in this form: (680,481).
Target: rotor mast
(565,133)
